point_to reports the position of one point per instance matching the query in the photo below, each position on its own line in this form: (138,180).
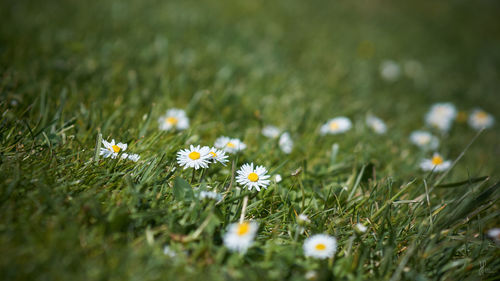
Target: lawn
(77,73)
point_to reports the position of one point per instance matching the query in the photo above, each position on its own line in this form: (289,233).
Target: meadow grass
(73,72)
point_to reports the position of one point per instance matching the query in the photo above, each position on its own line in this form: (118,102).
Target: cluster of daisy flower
(113,150)
(240,236)
(200,157)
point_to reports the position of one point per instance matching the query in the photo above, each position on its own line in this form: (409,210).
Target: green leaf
(182,189)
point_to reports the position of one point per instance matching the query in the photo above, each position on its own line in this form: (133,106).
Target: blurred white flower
(311,275)
(240,236)
(271,131)
(286,143)
(209,195)
(480,119)
(320,246)
(376,124)
(194,157)
(169,252)
(360,228)
(390,70)
(336,126)
(229,145)
(252,178)
(424,140)
(303,219)
(441,116)
(174,119)
(436,163)
(494,234)
(277,178)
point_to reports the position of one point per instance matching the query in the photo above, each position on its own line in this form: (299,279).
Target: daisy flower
(229,145)
(217,155)
(480,119)
(252,178)
(174,119)
(494,234)
(424,139)
(437,164)
(441,116)
(195,157)
(271,132)
(240,236)
(112,149)
(390,70)
(286,143)
(320,246)
(376,124)
(336,126)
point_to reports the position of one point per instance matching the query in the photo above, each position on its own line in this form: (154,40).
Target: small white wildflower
(424,140)
(240,236)
(111,149)
(217,155)
(494,234)
(480,119)
(252,178)
(286,143)
(320,246)
(303,219)
(376,124)
(210,195)
(390,70)
(360,227)
(229,145)
(437,164)
(441,116)
(169,252)
(277,178)
(195,157)
(336,126)
(311,275)
(174,119)
(271,131)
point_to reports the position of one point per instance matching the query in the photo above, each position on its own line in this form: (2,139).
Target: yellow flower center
(437,160)
(213,154)
(194,155)
(320,247)
(334,125)
(481,115)
(231,145)
(253,177)
(171,120)
(116,148)
(243,228)
(424,139)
